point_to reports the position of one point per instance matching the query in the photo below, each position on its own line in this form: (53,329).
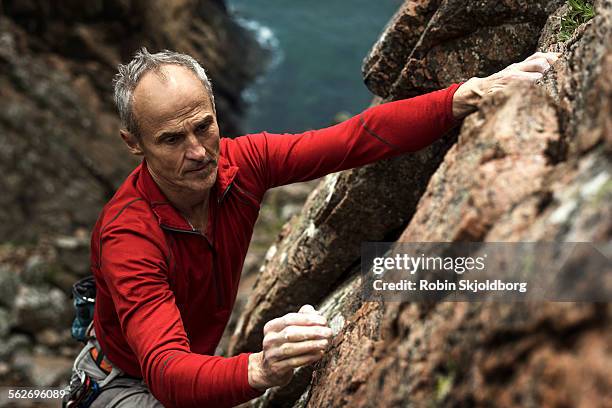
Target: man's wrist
(467,97)
(256,377)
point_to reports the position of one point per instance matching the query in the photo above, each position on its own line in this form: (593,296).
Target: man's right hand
(467,97)
(291,341)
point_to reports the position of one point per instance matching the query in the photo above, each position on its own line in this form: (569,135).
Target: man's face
(179,135)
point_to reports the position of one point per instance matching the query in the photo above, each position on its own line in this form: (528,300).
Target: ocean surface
(317,48)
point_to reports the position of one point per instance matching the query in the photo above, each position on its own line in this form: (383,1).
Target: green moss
(444,387)
(604,192)
(580,11)
(445,382)
(529,265)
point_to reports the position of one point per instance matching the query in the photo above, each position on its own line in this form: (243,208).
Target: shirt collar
(169,216)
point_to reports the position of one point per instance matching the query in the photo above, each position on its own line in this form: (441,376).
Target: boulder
(532,165)
(38,308)
(322,245)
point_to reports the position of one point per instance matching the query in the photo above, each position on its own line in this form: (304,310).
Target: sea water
(317,51)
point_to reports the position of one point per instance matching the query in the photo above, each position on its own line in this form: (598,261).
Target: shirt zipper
(194,231)
(217,282)
(225,192)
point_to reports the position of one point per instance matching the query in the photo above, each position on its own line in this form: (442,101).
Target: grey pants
(117,390)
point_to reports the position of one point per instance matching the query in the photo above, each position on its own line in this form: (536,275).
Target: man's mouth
(201,167)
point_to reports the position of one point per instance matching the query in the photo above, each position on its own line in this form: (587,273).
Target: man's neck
(194,208)
(192,205)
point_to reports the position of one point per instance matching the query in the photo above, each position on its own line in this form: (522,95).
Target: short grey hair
(130,74)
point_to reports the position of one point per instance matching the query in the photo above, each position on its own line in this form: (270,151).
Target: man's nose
(195,150)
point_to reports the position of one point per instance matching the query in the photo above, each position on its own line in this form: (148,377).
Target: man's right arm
(133,267)
(290,341)
(380,132)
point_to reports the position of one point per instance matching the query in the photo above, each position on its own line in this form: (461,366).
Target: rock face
(430,43)
(321,246)
(36,348)
(61,157)
(533,164)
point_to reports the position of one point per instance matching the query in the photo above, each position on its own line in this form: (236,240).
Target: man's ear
(132,142)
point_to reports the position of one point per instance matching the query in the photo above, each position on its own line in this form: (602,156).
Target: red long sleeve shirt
(166,291)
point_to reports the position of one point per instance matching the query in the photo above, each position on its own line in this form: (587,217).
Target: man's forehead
(166,92)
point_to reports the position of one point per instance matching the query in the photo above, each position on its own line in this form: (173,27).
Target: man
(168,248)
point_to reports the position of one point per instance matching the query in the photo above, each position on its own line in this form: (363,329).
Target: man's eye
(171,140)
(201,129)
